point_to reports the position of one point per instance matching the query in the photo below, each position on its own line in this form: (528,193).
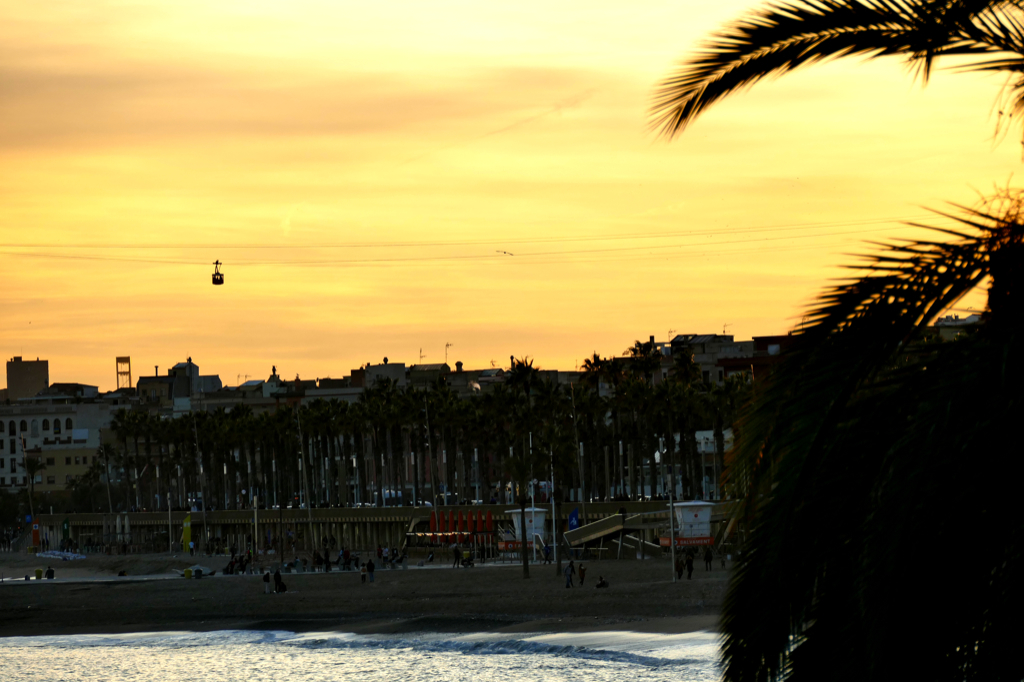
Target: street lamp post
(170,527)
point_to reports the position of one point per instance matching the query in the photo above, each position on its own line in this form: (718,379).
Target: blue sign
(28,519)
(574,519)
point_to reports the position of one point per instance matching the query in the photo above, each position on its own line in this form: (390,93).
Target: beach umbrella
(453,521)
(127,529)
(442,524)
(462,521)
(433,521)
(490,522)
(480,525)
(118,524)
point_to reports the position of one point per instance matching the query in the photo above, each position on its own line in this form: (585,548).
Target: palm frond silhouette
(878,466)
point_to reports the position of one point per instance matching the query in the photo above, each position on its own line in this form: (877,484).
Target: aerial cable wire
(709,232)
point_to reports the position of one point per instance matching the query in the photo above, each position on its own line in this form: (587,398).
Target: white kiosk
(535,520)
(692,524)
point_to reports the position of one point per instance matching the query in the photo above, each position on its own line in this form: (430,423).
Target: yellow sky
(358,166)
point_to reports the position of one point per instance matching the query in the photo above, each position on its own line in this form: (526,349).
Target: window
(3,481)
(39,478)
(67,424)
(51,480)
(24,426)
(35,428)
(77,460)
(46,425)
(1,465)
(67,460)
(69,478)
(720,372)
(56,427)
(11,428)
(14,465)
(49,461)
(1,447)
(1,427)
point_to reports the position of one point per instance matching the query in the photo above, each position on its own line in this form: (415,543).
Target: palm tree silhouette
(860,453)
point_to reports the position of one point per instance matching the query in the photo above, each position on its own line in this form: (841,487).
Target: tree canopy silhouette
(875,464)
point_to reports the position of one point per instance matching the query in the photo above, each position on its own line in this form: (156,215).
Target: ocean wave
(345,641)
(484,648)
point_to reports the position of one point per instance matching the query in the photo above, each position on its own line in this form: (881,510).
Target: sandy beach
(87,597)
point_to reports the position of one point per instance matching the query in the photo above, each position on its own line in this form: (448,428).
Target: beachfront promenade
(360,529)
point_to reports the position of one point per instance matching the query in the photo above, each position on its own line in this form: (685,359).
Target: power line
(712,232)
(444,258)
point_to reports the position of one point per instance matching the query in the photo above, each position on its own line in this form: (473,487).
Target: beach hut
(535,519)
(692,524)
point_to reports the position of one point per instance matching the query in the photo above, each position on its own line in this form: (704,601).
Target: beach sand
(87,597)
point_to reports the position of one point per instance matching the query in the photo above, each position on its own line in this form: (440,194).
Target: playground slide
(610,525)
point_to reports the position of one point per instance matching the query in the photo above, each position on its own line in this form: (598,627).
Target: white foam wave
(485,648)
(489,645)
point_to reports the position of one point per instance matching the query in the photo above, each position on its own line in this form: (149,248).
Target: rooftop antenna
(422,355)
(725,326)
(671,334)
(446,347)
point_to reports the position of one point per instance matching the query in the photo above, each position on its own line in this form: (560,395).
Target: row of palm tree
(400,445)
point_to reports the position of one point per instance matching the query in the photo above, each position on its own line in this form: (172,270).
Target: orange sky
(358,166)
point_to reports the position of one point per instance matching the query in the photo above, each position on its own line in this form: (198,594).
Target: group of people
(238,564)
(460,557)
(571,571)
(685,562)
(279,586)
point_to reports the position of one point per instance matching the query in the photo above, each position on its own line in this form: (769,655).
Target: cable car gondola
(218,276)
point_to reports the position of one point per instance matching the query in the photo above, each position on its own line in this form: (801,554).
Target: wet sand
(87,597)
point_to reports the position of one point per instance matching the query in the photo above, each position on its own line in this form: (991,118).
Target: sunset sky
(359,167)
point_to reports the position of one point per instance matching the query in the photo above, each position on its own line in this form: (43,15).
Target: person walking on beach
(456,555)
(708,556)
(362,574)
(369,569)
(583,574)
(277,581)
(689,566)
(266,582)
(570,571)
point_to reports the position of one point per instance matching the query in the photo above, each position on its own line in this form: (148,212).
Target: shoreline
(491,599)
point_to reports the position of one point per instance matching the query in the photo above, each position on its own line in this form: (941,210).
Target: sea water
(278,656)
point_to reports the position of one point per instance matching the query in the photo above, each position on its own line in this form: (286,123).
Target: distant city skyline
(108,383)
